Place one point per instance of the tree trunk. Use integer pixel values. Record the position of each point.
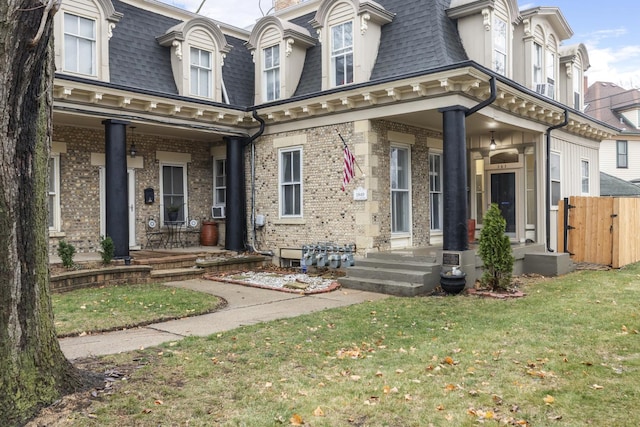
(33, 369)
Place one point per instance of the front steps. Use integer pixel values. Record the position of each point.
(399, 274)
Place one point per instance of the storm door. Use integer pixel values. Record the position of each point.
(503, 193)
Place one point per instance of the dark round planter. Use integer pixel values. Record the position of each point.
(452, 285)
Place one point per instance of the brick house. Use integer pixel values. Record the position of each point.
(447, 106)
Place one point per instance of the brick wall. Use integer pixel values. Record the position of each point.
(329, 214)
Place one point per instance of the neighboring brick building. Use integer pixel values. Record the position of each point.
(395, 78)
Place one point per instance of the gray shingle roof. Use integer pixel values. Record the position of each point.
(136, 59)
(616, 187)
(420, 37)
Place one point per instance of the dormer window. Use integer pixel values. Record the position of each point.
(342, 53)
(499, 45)
(577, 87)
(271, 70)
(200, 72)
(79, 45)
(198, 49)
(537, 64)
(349, 32)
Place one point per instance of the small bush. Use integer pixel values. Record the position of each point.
(66, 251)
(107, 249)
(495, 250)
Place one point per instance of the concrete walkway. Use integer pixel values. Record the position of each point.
(246, 306)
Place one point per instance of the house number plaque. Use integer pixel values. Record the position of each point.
(451, 258)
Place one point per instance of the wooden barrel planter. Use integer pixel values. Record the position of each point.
(209, 233)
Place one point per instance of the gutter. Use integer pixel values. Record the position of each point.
(548, 180)
(486, 102)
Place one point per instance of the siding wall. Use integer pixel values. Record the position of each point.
(608, 163)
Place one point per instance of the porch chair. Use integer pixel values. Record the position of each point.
(154, 233)
(193, 228)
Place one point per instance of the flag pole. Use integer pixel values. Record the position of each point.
(346, 146)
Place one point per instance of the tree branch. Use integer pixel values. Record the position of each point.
(51, 7)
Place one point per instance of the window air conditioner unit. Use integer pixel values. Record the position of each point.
(217, 212)
(546, 89)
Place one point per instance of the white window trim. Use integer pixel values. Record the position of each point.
(496, 51)
(408, 191)
(626, 154)
(439, 154)
(273, 69)
(344, 52)
(587, 177)
(94, 62)
(184, 184)
(558, 180)
(201, 69)
(56, 227)
(216, 202)
(281, 184)
(537, 63)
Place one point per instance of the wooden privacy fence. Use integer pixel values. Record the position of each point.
(600, 230)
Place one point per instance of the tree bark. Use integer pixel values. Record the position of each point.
(33, 369)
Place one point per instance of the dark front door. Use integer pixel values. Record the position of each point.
(503, 193)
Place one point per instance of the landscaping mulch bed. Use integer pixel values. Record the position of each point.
(282, 280)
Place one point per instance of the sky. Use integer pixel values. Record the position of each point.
(610, 33)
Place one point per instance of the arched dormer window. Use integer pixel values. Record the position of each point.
(576, 62)
(85, 32)
(349, 31)
(198, 49)
(495, 19)
(279, 49)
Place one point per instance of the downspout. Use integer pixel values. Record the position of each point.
(548, 180)
(253, 173)
(486, 102)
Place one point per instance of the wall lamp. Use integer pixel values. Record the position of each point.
(132, 150)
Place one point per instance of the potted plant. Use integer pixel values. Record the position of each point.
(172, 212)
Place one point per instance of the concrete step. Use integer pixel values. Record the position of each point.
(413, 265)
(408, 255)
(389, 287)
(399, 274)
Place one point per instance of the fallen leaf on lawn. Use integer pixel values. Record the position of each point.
(624, 328)
(355, 377)
(303, 393)
(597, 387)
(549, 399)
(450, 387)
(267, 385)
(146, 411)
(448, 360)
(296, 420)
(522, 423)
(318, 412)
(379, 374)
(159, 402)
(408, 397)
(399, 371)
(440, 408)
(386, 389)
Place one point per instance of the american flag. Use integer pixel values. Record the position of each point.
(348, 172)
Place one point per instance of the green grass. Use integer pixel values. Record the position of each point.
(116, 307)
(568, 354)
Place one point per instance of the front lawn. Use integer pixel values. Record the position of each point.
(568, 354)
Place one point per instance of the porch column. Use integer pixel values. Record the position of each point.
(236, 221)
(117, 200)
(454, 179)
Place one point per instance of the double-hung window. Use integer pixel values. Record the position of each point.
(220, 182)
(272, 72)
(622, 155)
(577, 88)
(400, 197)
(435, 190)
(551, 74)
(537, 65)
(201, 72)
(54, 193)
(584, 169)
(342, 54)
(291, 182)
(555, 177)
(500, 45)
(174, 192)
(79, 45)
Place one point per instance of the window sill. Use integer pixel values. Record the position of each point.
(57, 234)
(290, 221)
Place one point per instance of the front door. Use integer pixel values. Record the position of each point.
(131, 182)
(503, 193)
